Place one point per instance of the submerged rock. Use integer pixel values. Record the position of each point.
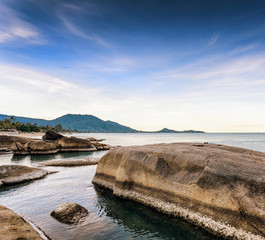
(14, 227)
(71, 162)
(219, 188)
(13, 174)
(69, 213)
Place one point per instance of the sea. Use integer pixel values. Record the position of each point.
(110, 217)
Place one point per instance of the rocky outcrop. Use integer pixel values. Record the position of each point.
(51, 135)
(55, 143)
(14, 227)
(74, 144)
(219, 188)
(35, 147)
(69, 213)
(13, 174)
(6, 141)
(70, 162)
(101, 146)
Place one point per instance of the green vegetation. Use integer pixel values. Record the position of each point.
(10, 124)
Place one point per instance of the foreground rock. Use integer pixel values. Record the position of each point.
(13, 174)
(71, 162)
(219, 188)
(14, 227)
(69, 213)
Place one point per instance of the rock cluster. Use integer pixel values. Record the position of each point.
(69, 213)
(53, 143)
(219, 188)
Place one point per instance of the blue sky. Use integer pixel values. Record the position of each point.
(147, 64)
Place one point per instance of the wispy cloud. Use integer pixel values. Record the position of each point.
(66, 11)
(12, 28)
(213, 39)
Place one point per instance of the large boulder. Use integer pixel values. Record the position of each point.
(14, 227)
(75, 145)
(51, 135)
(13, 174)
(69, 213)
(219, 188)
(35, 147)
(41, 147)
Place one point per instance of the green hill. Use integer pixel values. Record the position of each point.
(81, 123)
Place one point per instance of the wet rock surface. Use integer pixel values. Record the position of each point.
(13, 174)
(14, 227)
(71, 162)
(219, 188)
(69, 213)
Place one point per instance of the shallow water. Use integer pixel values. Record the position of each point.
(111, 217)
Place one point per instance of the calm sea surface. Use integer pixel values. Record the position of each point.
(111, 217)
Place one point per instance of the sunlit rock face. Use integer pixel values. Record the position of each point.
(15, 227)
(219, 188)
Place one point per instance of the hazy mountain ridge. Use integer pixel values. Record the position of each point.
(88, 123)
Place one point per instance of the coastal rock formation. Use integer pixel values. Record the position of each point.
(6, 141)
(75, 145)
(54, 143)
(69, 213)
(70, 162)
(101, 146)
(39, 147)
(51, 135)
(219, 188)
(14, 227)
(13, 174)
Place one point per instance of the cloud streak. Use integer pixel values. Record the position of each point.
(65, 11)
(13, 28)
(213, 39)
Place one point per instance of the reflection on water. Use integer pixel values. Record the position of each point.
(111, 217)
(139, 220)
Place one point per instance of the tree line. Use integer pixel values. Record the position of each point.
(12, 124)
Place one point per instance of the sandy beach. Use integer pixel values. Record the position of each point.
(24, 134)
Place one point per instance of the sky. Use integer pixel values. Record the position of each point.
(147, 64)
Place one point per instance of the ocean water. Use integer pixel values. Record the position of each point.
(110, 217)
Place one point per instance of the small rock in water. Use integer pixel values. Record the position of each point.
(69, 213)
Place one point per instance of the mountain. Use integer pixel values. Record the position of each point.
(81, 123)
(166, 130)
(88, 123)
